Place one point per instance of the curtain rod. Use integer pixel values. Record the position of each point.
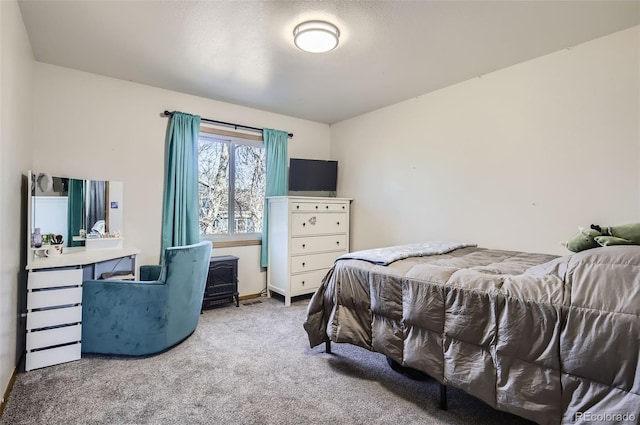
(228, 124)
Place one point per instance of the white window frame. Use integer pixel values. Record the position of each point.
(233, 139)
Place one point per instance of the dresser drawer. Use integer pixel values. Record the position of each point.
(334, 207)
(52, 337)
(319, 206)
(317, 224)
(304, 263)
(54, 278)
(313, 244)
(43, 358)
(305, 283)
(54, 298)
(54, 317)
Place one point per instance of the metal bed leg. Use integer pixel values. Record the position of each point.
(443, 397)
(327, 347)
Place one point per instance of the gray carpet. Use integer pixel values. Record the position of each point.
(246, 365)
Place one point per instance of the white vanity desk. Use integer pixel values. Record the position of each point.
(80, 256)
(54, 300)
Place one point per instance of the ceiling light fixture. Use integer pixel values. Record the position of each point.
(316, 36)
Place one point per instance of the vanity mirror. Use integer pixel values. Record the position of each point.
(77, 209)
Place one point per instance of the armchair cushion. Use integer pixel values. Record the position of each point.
(146, 317)
(151, 272)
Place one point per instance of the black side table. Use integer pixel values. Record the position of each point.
(222, 282)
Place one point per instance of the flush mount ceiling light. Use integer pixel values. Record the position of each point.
(316, 36)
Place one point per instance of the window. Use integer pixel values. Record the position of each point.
(231, 176)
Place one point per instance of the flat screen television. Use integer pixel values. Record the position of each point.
(313, 175)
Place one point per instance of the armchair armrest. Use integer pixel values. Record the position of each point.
(117, 283)
(116, 294)
(150, 272)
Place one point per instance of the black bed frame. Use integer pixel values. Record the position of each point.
(443, 388)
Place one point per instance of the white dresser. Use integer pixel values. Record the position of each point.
(305, 236)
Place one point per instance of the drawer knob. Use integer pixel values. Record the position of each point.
(316, 207)
(304, 224)
(338, 223)
(297, 207)
(343, 207)
(303, 264)
(337, 242)
(304, 245)
(327, 206)
(303, 283)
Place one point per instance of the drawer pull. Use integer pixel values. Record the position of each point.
(337, 242)
(303, 264)
(343, 207)
(316, 207)
(303, 283)
(304, 224)
(338, 223)
(297, 207)
(327, 206)
(304, 245)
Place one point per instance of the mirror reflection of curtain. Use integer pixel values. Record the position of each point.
(97, 205)
(75, 215)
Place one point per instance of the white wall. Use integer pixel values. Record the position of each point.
(89, 126)
(16, 63)
(515, 159)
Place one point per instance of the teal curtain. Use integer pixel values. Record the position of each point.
(180, 206)
(75, 214)
(275, 146)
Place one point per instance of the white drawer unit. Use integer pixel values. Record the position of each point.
(305, 236)
(54, 317)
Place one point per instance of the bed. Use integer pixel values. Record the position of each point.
(551, 339)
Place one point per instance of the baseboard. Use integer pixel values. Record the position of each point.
(250, 296)
(5, 397)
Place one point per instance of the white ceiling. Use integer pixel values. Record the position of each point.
(242, 52)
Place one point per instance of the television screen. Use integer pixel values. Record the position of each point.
(313, 175)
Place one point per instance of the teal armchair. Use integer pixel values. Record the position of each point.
(150, 315)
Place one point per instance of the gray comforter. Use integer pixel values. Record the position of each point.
(551, 339)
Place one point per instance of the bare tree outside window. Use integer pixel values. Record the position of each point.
(230, 206)
(250, 184)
